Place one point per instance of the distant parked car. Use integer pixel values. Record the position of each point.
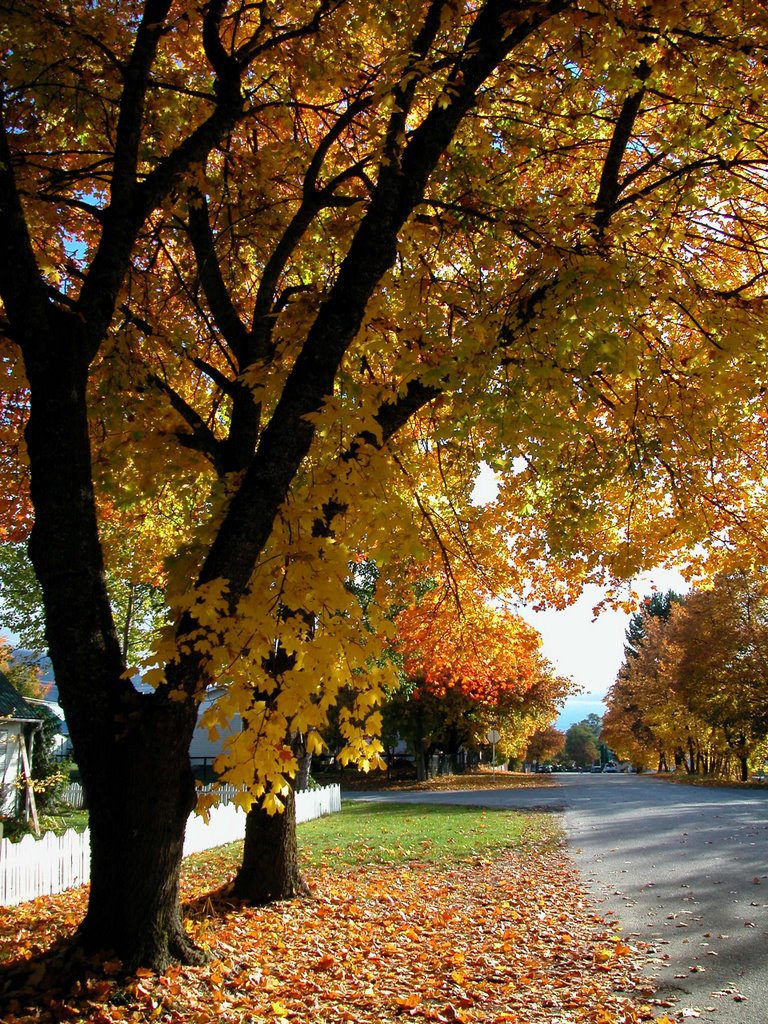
(610, 767)
(597, 768)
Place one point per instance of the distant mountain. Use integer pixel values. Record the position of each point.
(47, 677)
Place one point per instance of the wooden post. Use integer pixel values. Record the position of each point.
(28, 780)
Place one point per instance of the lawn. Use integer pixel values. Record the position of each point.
(14, 829)
(369, 833)
(384, 833)
(432, 913)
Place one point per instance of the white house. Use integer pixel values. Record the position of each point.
(203, 750)
(19, 725)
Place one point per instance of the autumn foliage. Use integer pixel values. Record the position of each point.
(484, 652)
(493, 939)
(691, 692)
(277, 278)
(469, 665)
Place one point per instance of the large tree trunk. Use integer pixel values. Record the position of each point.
(131, 748)
(138, 815)
(270, 867)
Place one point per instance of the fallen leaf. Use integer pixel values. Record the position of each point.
(409, 1002)
(495, 929)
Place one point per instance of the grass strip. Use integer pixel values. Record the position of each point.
(367, 833)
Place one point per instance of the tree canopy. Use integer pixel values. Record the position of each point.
(655, 604)
(545, 744)
(581, 743)
(22, 673)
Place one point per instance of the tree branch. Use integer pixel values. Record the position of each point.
(391, 416)
(500, 26)
(252, 49)
(610, 187)
(132, 202)
(217, 295)
(23, 290)
(201, 438)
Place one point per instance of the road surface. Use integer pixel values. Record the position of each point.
(683, 869)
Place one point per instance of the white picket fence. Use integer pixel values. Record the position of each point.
(227, 822)
(73, 796)
(42, 867)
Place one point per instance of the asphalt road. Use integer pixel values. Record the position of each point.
(682, 869)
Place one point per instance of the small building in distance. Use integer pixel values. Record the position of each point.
(20, 724)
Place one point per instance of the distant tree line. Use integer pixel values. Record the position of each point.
(691, 692)
(578, 747)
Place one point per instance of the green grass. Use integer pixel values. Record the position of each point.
(369, 834)
(14, 829)
(392, 833)
(69, 818)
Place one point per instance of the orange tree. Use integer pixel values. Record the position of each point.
(296, 269)
(469, 666)
(545, 744)
(695, 686)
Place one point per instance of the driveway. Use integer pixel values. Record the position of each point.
(682, 870)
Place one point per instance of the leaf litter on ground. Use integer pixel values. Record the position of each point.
(499, 936)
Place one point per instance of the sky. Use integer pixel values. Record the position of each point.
(583, 647)
(590, 650)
